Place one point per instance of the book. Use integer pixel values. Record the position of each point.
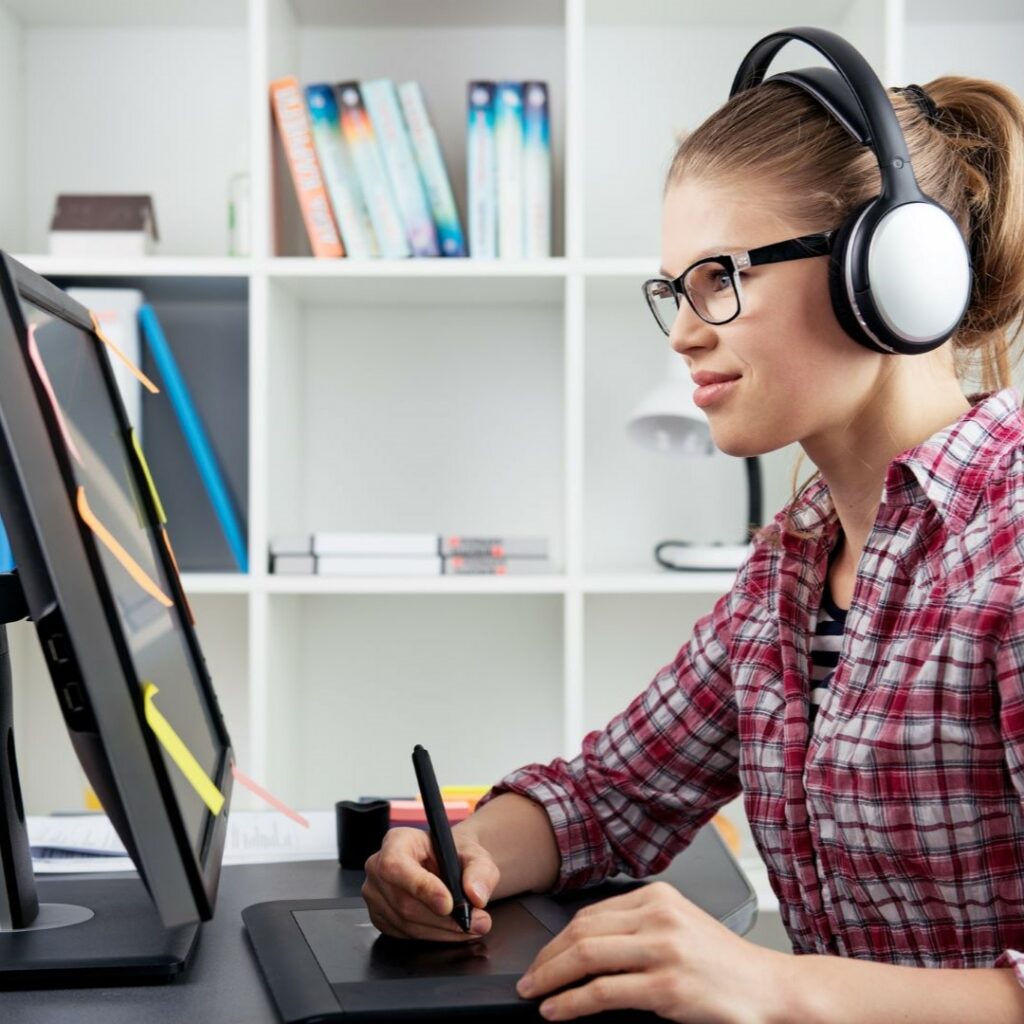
(382, 105)
(495, 547)
(412, 813)
(536, 171)
(293, 129)
(292, 544)
(462, 565)
(195, 435)
(6, 554)
(408, 544)
(293, 565)
(508, 136)
(385, 565)
(117, 310)
(432, 170)
(357, 234)
(481, 172)
(103, 225)
(357, 130)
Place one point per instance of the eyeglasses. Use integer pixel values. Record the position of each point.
(712, 285)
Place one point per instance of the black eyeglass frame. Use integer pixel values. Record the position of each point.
(735, 263)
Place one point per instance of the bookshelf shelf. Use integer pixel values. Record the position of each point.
(423, 395)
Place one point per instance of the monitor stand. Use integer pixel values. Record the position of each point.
(101, 930)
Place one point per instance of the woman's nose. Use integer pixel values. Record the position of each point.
(689, 332)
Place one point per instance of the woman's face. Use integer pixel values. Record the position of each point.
(802, 377)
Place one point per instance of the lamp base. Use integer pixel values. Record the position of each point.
(717, 557)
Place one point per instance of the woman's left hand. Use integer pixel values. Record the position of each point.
(652, 949)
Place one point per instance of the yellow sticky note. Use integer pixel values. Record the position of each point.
(179, 753)
(149, 477)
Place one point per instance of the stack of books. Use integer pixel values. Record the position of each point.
(371, 180)
(407, 554)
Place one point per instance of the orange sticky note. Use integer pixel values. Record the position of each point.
(136, 372)
(44, 377)
(111, 543)
(279, 805)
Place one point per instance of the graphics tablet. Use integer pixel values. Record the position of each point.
(323, 960)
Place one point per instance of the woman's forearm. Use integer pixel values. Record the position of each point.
(833, 990)
(517, 833)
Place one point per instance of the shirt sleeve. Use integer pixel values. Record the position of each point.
(640, 788)
(1009, 677)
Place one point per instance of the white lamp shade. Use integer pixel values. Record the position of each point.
(668, 420)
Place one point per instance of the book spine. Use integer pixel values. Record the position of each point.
(195, 435)
(495, 547)
(389, 126)
(508, 130)
(293, 128)
(460, 565)
(293, 565)
(363, 565)
(432, 170)
(358, 132)
(481, 169)
(6, 554)
(536, 171)
(376, 544)
(353, 218)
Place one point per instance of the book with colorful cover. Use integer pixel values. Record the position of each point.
(462, 565)
(536, 171)
(195, 434)
(357, 234)
(432, 169)
(508, 133)
(358, 132)
(396, 148)
(494, 547)
(481, 170)
(289, 109)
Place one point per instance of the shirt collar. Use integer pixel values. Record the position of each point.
(950, 468)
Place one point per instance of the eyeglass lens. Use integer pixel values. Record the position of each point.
(710, 289)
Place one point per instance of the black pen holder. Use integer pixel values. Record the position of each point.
(362, 825)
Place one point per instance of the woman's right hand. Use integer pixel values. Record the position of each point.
(407, 898)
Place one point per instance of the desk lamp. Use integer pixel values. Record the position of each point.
(668, 420)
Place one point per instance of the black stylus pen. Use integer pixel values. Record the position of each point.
(441, 836)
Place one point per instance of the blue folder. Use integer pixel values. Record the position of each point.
(195, 435)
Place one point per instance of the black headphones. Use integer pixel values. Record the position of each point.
(900, 273)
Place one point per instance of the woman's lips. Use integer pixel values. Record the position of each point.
(708, 394)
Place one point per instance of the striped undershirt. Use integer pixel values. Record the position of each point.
(825, 647)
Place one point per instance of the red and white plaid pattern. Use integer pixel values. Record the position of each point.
(896, 832)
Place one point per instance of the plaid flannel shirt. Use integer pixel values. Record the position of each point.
(896, 831)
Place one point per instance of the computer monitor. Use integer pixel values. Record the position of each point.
(101, 586)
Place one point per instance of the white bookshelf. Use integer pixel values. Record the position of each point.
(461, 395)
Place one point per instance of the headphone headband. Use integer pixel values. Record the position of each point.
(885, 136)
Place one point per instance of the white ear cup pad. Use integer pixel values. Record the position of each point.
(919, 272)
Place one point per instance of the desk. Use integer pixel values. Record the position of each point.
(223, 984)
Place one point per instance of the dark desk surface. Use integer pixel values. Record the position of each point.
(223, 985)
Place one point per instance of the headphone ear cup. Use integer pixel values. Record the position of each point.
(837, 281)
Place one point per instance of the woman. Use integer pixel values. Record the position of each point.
(886, 798)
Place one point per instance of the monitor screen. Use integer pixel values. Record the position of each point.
(100, 581)
(101, 462)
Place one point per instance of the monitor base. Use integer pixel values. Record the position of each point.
(122, 942)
